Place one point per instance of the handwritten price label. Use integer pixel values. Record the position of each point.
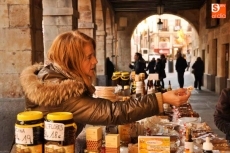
(54, 131)
(24, 135)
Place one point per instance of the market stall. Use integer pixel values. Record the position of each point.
(174, 130)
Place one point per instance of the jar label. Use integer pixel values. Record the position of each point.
(23, 148)
(54, 131)
(24, 135)
(50, 148)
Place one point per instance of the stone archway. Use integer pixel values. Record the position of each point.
(176, 33)
(124, 33)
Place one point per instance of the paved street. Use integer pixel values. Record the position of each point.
(203, 102)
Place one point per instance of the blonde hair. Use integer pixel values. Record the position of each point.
(67, 50)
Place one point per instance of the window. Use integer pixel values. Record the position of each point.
(189, 28)
(165, 25)
(177, 25)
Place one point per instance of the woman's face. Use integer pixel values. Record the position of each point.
(89, 61)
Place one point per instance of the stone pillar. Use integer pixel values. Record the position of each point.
(100, 54)
(58, 16)
(36, 32)
(209, 77)
(109, 46)
(87, 28)
(124, 50)
(85, 20)
(220, 78)
(16, 51)
(209, 81)
(15, 45)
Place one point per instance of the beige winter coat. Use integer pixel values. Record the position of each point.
(49, 90)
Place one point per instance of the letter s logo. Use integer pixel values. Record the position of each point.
(215, 7)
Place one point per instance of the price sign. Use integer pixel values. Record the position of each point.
(24, 135)
(54, 131)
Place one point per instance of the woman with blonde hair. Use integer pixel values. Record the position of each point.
(65, 84)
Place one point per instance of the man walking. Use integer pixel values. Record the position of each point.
(188, 59)
(180, 68)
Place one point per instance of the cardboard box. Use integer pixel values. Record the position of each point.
(112, 141)
(94, 133)
(93, 138)
(154, 144)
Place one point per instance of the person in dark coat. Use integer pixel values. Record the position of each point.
(151, 66)
(162, 70)
(198, 70)
(139, 64)
(222, 113)
(109, 70)
(158, 67)
(181, 65)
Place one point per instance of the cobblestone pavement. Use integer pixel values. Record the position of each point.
(202, 101)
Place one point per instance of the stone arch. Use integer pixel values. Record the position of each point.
(86, 19)
(151, 22)
(191, 17)
(125, 33)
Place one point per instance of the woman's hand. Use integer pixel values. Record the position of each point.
(176, 97)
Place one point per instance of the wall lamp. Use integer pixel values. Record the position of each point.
(159, 24)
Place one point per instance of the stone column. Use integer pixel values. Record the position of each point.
(209, 77)
(85, 20)
(220, 78)
(15, 45)
(109, 46)
(58, 16)
(100, 54)
(87, 28)
(16, 51)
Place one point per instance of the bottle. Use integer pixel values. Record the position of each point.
(207, 146)
(169, 86)
(133, 88)
(133, 133)
(157, 86)
(150, 87)
(188, 144)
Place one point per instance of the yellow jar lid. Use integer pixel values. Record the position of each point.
(124, 73)
(59, 116)
(116, 73)
(29, 115)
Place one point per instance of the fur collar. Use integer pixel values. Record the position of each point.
(48, 92)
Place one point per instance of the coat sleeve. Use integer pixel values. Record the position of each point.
(98, 111)
(222, 112)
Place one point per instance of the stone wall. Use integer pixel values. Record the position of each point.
(214, 45)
